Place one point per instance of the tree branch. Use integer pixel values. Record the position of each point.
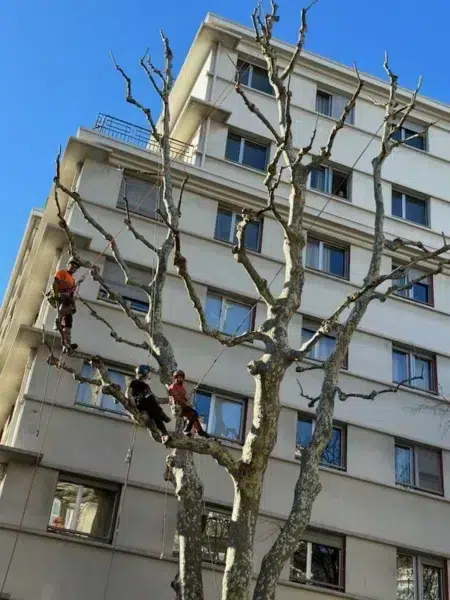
(240, 254)
(300, 43)
(209, 447)
(256, 111)
(113, 333)
(132, 100)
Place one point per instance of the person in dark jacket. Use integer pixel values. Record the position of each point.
(140, 393)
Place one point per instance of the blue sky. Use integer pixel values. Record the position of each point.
(57, 74)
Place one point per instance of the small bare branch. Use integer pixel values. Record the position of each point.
(150, 69)
(241, 256)
(113, 333)
(132, 100)
(256, 111)
(343, 396)
(307, 149)
(300, 369)
(325, 151)
(300, 43)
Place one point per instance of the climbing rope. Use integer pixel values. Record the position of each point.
(122, 498)
(34, 475)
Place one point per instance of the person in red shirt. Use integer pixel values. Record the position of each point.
(178, 396)
(63, 299)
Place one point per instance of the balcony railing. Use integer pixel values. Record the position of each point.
(141, 137)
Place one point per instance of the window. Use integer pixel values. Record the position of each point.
(84, 509)
(409, 129)
(419, 578)
(332, 105)
(216, 524)
(143, 196)
(136, 298)
(246, 152)
(319, 561)
(228, 316)
(418, 467)
(226, 223)
(89, 395)
(327, 257)
(421, 291)
(254, 77)
(223, 417)
(334, 455)
(331, 181)
(410, 208)
(415, 369)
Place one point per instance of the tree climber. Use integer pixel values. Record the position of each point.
(139, 392)
(62, 298)
(178, 396)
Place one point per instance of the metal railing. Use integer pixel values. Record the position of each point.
(141, 137)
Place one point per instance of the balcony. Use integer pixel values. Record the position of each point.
(141, 137)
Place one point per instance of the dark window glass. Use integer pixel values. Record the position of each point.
(255, 155)
(233, 147)
(416, 210)
(397, 204)
(223, 225)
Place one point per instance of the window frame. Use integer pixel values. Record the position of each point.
(408, 294)
(406, 194)
(413, 449)
(321, 538)
(126, 373)
(412, 354)
(329, 175)
(249, 69)
(214, 394)
(336, 425)
(243, 139)
(334, 245)
(86, 482)
(331, 94)
(419, 561)
(234, 215)
(223, 313)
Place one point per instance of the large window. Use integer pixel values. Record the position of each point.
(409, 129)
(414, 368)
(421, 291)
(319, 561)
(420, 578)
(136, 298)
(90, 395)
(418, 467)
(334, 455)
(327, 257)
(143, 196)
(246, 152)
(331, 181)
(226, 223)
(410, 208)
(332, 105)
(84, 509)
(216, 525)
(223, 417)
(253, 76)
(227, 315)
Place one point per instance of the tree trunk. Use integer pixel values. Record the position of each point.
(188, 583)
(249, 484)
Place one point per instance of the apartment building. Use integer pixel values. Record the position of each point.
(380, 528)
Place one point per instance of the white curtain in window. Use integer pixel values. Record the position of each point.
(312, 254)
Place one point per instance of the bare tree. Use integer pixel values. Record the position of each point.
(247, 472)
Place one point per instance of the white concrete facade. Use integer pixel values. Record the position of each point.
(361, 502)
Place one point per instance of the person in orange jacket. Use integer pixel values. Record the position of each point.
(178, 396)
(63, 299)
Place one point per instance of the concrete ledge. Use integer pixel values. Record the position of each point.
(17, 455)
